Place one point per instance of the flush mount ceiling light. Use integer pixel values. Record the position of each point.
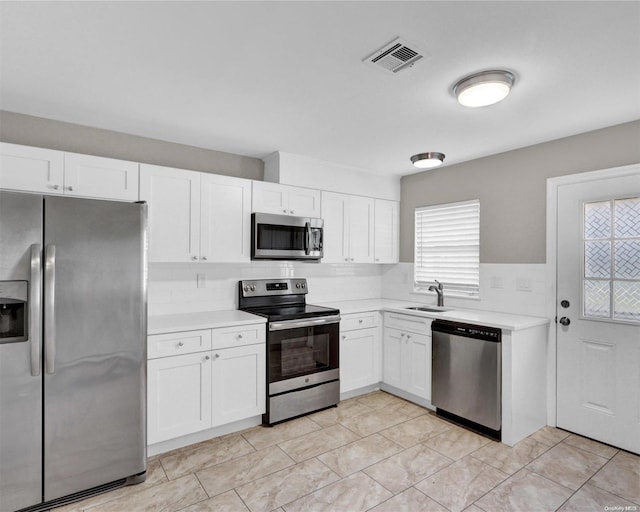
(427, 160)
(484, 88)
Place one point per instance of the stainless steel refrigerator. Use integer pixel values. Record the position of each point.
(72, 347)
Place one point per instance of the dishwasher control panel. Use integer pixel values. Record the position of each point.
(468, 330)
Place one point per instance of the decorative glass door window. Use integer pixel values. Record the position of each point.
(611, 264)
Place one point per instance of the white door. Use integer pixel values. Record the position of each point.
(238, 383)
(178, 396)
(361, 229)
(417, 361)
(105, 178)
(270, 198)
(358, 359)
(392, 357)
(598, 310)
(31, 169)
(226, 219)
(386, 231)
(304, 202)
(335, 212)
(174, 212)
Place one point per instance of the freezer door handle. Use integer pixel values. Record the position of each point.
(50, 308)
(35, 289)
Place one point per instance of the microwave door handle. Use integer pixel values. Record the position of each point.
(307, 240)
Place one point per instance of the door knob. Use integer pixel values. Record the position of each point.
(564, 321)
(565, 303)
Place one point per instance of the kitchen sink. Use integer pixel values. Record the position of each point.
(430, 309)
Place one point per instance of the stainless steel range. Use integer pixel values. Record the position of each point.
(303, 371)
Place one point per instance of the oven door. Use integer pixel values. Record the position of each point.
(283, 237)
(302, 353)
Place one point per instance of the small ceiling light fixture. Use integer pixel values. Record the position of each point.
(427, 160)
(484, 88)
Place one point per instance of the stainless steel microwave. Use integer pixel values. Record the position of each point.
(284, 237)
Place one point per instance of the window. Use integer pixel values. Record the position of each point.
(611, 263)
(447, 239)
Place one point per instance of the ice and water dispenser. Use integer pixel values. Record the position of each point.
(13, 311)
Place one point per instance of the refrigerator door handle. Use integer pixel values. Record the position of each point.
(35, 300)
(50, 307)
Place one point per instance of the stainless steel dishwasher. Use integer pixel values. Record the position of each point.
(466, 375)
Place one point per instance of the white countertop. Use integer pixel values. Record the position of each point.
(204, 320)
(505, 321)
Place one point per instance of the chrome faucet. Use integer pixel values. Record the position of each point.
(439, 290)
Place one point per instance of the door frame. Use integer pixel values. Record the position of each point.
(551, 270)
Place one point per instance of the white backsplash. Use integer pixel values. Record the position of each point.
(507, 288)
(173, 287)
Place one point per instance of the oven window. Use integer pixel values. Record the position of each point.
(296, 352)
(281, 238)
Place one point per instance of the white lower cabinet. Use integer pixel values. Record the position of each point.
(178, 396)
(407, 354)
(221, 381)
(359, 350)
(239, 377)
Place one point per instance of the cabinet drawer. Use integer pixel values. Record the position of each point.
(410, 323)
(359, 321)
(163, 345)
(237, 336)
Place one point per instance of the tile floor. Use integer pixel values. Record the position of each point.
(378, 452)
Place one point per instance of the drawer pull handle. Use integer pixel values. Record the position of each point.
(180, 344)
(239, 336)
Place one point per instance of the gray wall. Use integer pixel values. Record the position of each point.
(512, 189)
(47, 133)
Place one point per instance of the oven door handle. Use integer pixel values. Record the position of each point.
(306, 322)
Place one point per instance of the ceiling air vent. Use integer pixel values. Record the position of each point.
(395, 56)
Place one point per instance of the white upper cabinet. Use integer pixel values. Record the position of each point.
(225, 230)
(55, 172)
(195, 216)
(348, 228)
(173, 196)
(93, 176)
(386, 237)
(31, 169)
(285, 200)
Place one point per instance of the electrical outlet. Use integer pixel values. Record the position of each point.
(202, 281)
(523, 284)
(496, 282)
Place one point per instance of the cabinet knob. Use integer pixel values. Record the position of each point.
(204, 258)
(351, 259)
(344, 337)
(54, 187)
(194, 258)
(70, 188)
(402, 334)
(217, 356)
(291, 212)
(206, 358)
(284, 211)
(180, 344)
(239, 336)
(346, 259)
(408, 336)
(377, 259)
(360, 320)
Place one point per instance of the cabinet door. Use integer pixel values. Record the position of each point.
(386, 227)
(304, 202)
(31, 169)
(417, 365)
(392, 357)
(361, 231)
(336, 233)
(174, 212)
(105, 178)
(178, 396)
(270, 198)
(225, 231)
(359, 359)
(239, 383)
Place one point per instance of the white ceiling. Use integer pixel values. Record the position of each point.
(255, 77)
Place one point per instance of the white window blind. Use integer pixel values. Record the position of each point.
(447, 248)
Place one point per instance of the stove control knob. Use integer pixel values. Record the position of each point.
(253, 287)
(303, 285)
(297, 285)
(246, 288)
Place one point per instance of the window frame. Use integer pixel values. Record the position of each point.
(457, 285)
